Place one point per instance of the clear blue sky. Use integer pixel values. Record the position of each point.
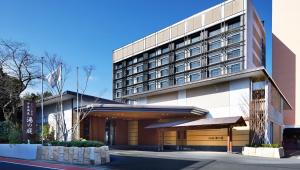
(85, 32)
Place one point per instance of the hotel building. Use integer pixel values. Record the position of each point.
(200, 84)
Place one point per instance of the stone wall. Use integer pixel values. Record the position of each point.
(75, 155)
(264, 152)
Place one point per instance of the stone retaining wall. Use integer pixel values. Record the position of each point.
(76, 155)
(264, 152)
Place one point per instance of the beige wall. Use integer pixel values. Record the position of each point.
(286, 37)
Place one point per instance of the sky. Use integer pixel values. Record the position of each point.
(85, 32)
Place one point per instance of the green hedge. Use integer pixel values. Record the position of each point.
(274, 145)
(76, 143)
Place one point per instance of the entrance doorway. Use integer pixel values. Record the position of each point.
(110, 132)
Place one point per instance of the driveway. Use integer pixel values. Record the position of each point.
(144, 160)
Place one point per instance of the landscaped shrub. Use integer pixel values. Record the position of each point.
(265, 145)
(14, 136)
(4, 131)
(76, 143)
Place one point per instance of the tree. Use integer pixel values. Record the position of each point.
(18, 71)
(36, 96)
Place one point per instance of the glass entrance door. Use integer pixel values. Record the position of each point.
(110, 132)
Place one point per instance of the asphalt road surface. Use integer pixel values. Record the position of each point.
(16, 166)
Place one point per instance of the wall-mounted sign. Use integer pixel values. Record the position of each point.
(28, 119)
(215, 137)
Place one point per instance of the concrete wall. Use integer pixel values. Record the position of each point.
(22, 151)
(285, 53)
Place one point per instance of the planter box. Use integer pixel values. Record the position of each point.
(21, 151)
(263, 152)
(76, 155)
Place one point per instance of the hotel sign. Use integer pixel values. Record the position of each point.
(28, 119)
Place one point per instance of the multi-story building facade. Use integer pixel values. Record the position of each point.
(193, 84)
(286, 62)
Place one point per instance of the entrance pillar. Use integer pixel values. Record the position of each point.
(229, 139)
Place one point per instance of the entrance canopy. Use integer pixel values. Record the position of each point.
(223, 122)
(126, 111)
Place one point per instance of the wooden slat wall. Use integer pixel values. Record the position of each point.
(216, 137)
(169, 137)
(132, 132)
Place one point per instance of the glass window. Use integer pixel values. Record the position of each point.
(164, 72)
(179, 68)
(152, 75)
(194, 64)
(139, 79)
(118, 74)
(195, 39)
(233, 39)
(140, 58)
(129, 81)
(214, 45)
(179, 45)
(214, 32)
(129, 62)
(129, 91)
(152, 64)
(139, 68)
(139, 89)
(179, 55)
(151, 86)
(118, 94)
(214, 58)
(164, 60)
(194, 76)
(233, 25)
(151, 55)
(165, 50)
(135, 60)
(195, 51)
(129, 71)
(118, 84)
(233, 53)
(164, 84)
(215, 72)
(180, 80)
(234, 68)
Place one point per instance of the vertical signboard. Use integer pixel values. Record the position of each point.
(28, 119)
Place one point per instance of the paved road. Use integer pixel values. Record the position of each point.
(13, 166)
(144, 160)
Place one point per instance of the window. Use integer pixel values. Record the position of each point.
(233, 39)
(151, 55)
(164, 60)
(140, 68)
(215, 72)
(118, 66)
(194, 64)
(118, 74)
(152, 75)
(179, 45)
(234, 68)
(194, 51)
(179, 55)
(214, 58)
(129, 81)
(151, 86)
(164, 83)
(135, 60)
(152, 64)
(139, 78)
(118, 94)
(129, 71)
(139, 89)
(194, 77)
(179, 68)
(165, 50)
(140, 59)
(195, 39)
(129, 62)
(118, 84)
(233, 25)
(179, 80)
(233, 53)
(214, 32)
(164, 72)
(129, 91)
(214, 45)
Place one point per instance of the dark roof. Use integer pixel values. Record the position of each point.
(144, 108)
(67, 95)
(208, 122)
